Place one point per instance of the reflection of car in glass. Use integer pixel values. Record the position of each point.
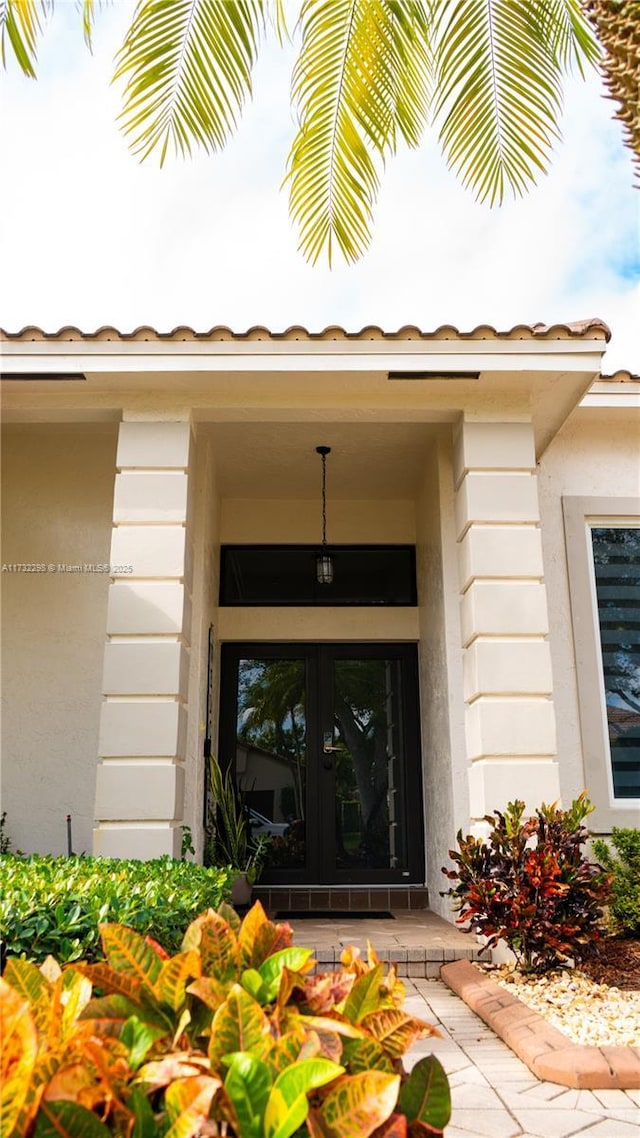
(261, 825)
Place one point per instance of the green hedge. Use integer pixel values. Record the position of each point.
(624, 864)
(53, 905)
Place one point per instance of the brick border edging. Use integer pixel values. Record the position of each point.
(546, 1051)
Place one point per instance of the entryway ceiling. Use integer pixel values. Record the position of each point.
(278, 460)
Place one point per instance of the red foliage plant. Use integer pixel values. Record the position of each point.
(530, 885)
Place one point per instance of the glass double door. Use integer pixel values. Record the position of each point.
(323, 741)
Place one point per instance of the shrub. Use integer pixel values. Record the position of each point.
(53, 905)
(625, 870)
(530, 885)
(235, 1035)
(5, 840)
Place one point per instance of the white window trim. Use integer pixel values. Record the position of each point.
(581, 514)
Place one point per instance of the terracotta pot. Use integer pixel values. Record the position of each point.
(241, 890)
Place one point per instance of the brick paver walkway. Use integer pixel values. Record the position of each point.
(494, 1094)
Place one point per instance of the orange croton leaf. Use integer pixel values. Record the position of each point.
(324, 990)
(396, 1031)
(239, 1025)
(188, 1102)
(33, 987)
(177, 971)
(214, 938)
(17, 1055)
(131, 954)
(355, 1106)
(110, 980)
(248, 935)
(270, 938)
(179, 1065)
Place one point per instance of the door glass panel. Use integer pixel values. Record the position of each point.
(271, 755)
(370, 831)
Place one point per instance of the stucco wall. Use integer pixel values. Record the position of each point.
(56, 509)
(446, 797)
(205, 504)
(587, 458)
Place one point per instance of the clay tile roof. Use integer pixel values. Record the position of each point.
(594, 327)
(621, 376)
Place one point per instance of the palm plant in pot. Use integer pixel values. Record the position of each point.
(232, 843)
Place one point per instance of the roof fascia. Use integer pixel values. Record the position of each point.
(438, 357)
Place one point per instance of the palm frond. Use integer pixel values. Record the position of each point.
(499, 92)
(564, 27)
(187, 66)
(21, 23)
(360, 80)
(279, 20)
(88, 8)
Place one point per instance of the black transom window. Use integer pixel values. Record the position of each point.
(276, 575)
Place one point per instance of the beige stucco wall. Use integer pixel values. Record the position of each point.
(445, 786)
(595, 454)
(205, 504)
(57, 485)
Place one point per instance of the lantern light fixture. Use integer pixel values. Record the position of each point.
(324, 560)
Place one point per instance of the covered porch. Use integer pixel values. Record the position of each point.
(209, 442)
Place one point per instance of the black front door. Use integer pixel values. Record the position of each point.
(324, 744)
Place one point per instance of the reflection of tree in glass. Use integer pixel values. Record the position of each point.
(271, 715)
(361, 716)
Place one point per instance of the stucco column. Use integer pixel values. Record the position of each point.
(140, 778)
(509, 713)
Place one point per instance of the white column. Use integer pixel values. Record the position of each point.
(140, 778)
(509, 717)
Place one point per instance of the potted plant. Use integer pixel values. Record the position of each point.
(233, 844)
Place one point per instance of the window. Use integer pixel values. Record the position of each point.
(603, 550)
(286, 575)
(616, 558)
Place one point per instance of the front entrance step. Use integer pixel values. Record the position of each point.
(333, 898)
(418, 943)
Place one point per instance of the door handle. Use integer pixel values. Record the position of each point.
(327, 743)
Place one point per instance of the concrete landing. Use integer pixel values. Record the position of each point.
(417, 942)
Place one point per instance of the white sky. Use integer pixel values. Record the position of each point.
(91, 237)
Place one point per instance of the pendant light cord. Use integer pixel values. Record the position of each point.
(324, 499)
(323, 452)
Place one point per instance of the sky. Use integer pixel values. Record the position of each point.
(92, 237)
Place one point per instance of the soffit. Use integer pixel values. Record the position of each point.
(278, 460)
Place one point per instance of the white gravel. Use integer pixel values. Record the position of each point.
(585, 1011)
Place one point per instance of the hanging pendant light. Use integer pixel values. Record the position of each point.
(324, 561)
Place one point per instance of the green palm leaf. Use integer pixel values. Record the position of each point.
(21, 23)
(498, 77)
(361, 80)
(563, 26)
(187, 66)
(88, 10)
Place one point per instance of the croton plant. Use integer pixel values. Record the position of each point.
(236, 1035)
